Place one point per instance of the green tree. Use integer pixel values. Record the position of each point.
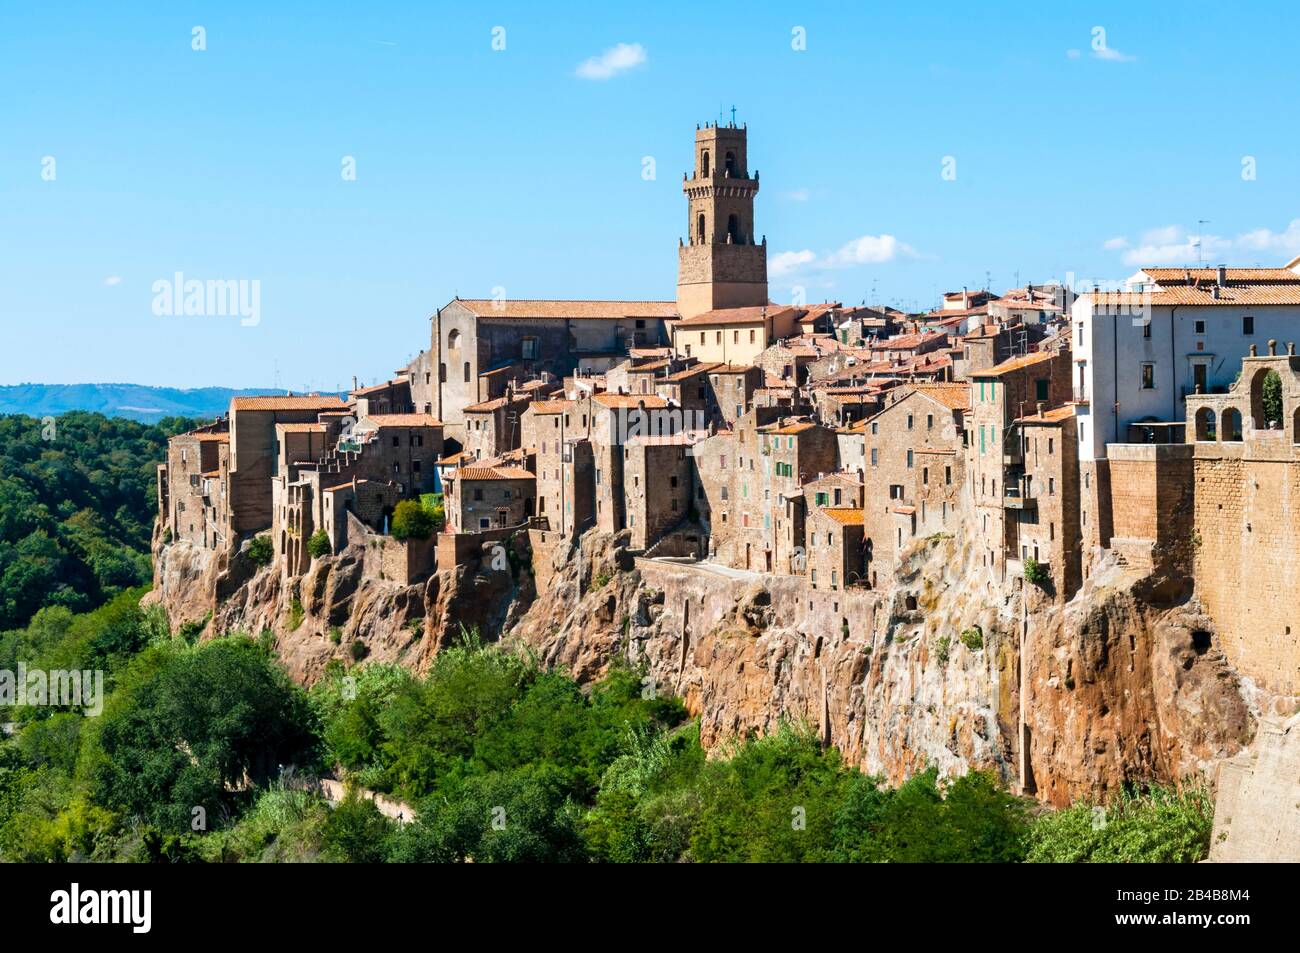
(189, 727)
(1272, 394)
(318, 544)
(412, 521)
(261, 550)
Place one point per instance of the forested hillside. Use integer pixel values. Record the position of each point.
(77, 503)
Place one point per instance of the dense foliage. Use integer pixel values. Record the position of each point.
(412, 520)
(500, 759)
(77, 504)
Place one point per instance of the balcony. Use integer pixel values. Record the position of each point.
(1080, 395)
(1019, 495)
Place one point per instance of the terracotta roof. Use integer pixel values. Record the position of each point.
(351, 484)
(1015, 364)
(495, 403)
(736, 315)
(906, 342)
(211, 473)
(692, 371)
(551, 406)
(954, 395)
(903, 510)
(373, 388)
(526, 308)
(1203, 296)
(301, 428)
(285, 403)
(456, 458)
(1054, 416)
(494, 473)
(404, 420)
(789, 429)
(223, 437)
(631, 401)
(846, 516)
(1167, 276)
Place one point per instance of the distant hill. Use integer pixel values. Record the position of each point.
(132, 401)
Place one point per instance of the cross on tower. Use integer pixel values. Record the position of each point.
(733, 115)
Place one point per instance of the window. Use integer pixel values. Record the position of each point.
(909, 459)
(1248, 325)
(1079, 334)
(925, 475)
(751, 336)
(875, 428)
(929, 421)
(397, 441)
(947, 475)
(909, 421)
(484, 522)
(1200, 327)
(1040, 389)
(1148, 376)
(529, 348)
(875, 457)
(478, 494)
(467, 372)
(1146, 329)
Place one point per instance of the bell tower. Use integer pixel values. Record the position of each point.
(720, 265)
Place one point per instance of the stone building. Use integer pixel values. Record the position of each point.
(994, 466)
(192, 485)
(254, 454)
(1041, 502)
(659, 485)
(836, 548)
(484, 498)
(913, 475)
(492, 427)
(734, 335)
(472, 337)
(720, 265)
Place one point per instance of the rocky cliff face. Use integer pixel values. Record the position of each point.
(334, 611)
(1123, 683)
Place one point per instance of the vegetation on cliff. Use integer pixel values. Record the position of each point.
(501, 759)
(77, 504)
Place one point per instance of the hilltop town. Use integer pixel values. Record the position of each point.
(1047, 530)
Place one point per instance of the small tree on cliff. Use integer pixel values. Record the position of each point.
(412, 521)
(319, 544)
(260, 551)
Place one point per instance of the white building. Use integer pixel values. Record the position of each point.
(1138, 353)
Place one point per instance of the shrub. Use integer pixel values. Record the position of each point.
(1035, 571)
(319, 544)
(296, 614)
(433, 502)
(973, 638)
(358, 650)
(336, 635)
(260, 550)
(941, 650)
(412, 521)
(600, 580)
(1157, 826)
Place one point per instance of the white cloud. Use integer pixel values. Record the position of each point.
(787, 261)
(797, 195)
(1116, 243)
(870, 250)
(615, 60)
(866, 250)
(1112, 55)
(1174, 245)
(113, 280)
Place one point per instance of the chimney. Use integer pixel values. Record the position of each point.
(1223, 276)
(1041, 406)
(965, 297)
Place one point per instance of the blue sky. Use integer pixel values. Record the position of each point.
(522, 168)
